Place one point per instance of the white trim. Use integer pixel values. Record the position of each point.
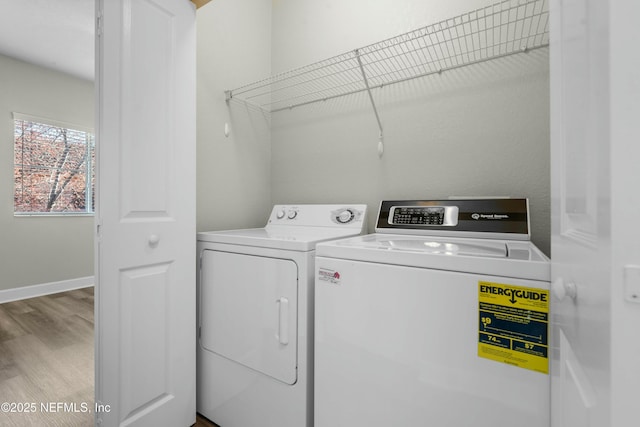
(52, 122)
(32, 291)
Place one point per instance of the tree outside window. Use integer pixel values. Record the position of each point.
(53, 168)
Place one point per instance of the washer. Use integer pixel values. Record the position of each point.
(439, 318)
(255, 293)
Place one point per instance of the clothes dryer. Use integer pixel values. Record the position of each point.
(440, 318)
(255, 296)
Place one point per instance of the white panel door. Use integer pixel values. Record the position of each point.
(249, 307)
(581, 212)
(145, 277)
(625, 152)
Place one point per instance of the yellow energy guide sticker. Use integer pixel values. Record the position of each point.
(513, 325)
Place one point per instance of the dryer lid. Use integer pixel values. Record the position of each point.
(302, 239)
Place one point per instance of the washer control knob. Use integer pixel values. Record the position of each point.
(292, 214)
(345, 216)
(280, 214)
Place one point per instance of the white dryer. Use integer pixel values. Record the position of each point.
(438, 319)
(255, 311)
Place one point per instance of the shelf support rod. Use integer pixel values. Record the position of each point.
(373, 104)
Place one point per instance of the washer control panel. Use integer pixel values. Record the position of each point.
(318, 215)
(424, 215)
(490, 217)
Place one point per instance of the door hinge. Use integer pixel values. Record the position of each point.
(632, 283)
(98, 230)
(99, 19)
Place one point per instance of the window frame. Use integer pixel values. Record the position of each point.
(89, 171)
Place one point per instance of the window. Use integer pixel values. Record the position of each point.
(53, 167)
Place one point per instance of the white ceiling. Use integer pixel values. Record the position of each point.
(57, 34)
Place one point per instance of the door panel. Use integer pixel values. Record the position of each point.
(145, 280)
(145, 333)
(145, 191)
(249, 311)
(581, 212)
(577, 396)
(581, 135)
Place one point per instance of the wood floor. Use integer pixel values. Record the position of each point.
(203, 422)
(46, 357)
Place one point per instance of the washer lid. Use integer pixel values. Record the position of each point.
(443, 247)
(509, 258)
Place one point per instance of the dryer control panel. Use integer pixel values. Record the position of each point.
(318, 215)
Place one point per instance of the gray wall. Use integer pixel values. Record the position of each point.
(36, 250)
(233, 174)
(481, 130)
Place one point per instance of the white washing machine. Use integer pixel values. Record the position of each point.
(438, 319)
(255, 294)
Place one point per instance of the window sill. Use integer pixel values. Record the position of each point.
(52, 214)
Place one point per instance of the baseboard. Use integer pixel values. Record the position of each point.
(24, 292)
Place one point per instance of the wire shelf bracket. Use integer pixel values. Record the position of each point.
(373, 104)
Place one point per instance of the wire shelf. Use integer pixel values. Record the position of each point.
(504, 28)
